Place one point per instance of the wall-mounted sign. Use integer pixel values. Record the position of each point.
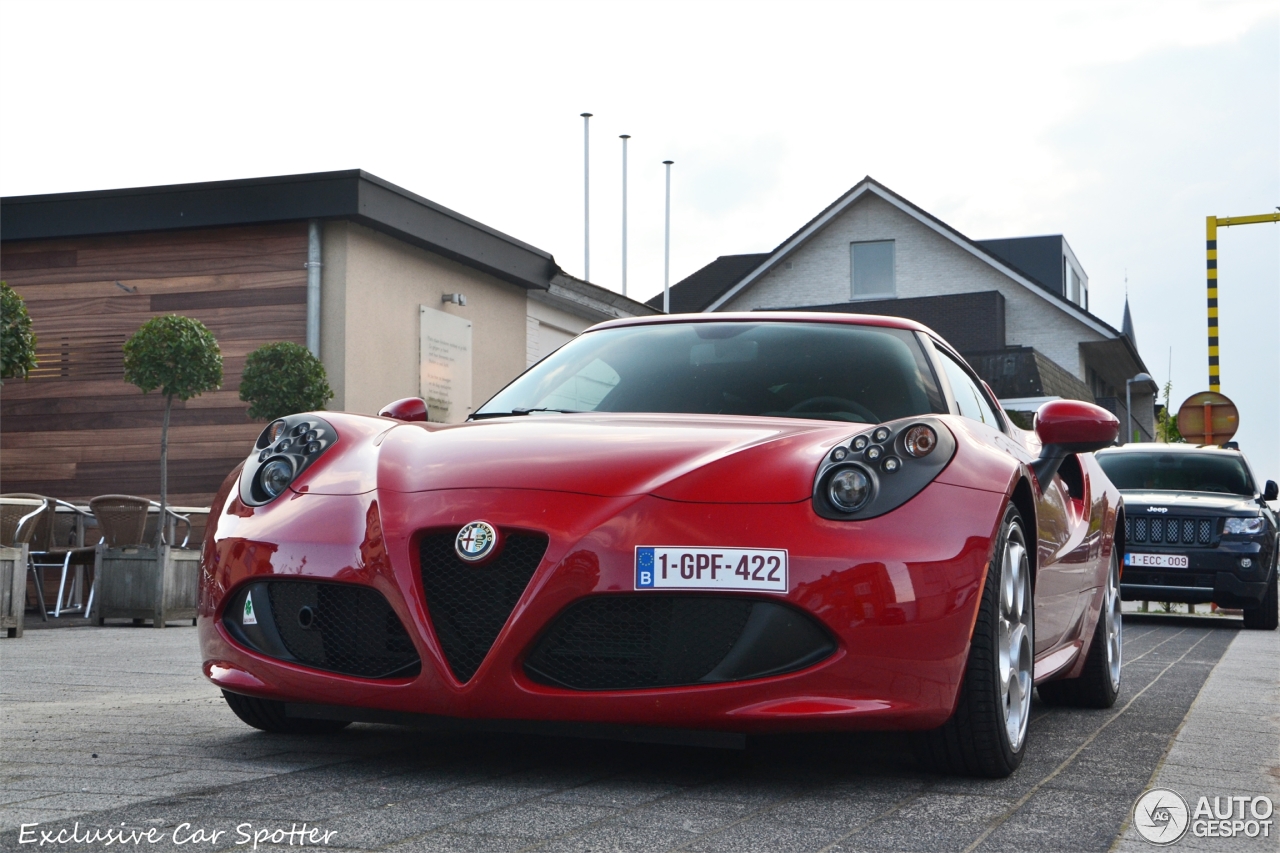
(444, 365)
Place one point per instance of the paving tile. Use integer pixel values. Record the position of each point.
(535, 820)
(687, 815)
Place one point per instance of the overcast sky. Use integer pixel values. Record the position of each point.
(1120, 125)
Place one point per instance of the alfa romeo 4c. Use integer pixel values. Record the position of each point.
(732, 523)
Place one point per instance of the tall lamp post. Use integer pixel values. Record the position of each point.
(666, 252)
(586, 196)
(1128, 403)
(624, 137)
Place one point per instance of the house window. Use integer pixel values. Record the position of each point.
(1075, 286)
(872, 265)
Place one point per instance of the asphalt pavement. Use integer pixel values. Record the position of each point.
(110, 730)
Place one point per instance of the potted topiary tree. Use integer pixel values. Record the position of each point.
(179, 357)
(17, 341)
(281, 379)
(17, 359)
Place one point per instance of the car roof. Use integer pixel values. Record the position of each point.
(773, 317)
(1159, 447)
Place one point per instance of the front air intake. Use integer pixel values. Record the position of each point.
(337, 627)
(647, 640)
(468, 603)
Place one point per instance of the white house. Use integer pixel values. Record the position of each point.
(1017, 309)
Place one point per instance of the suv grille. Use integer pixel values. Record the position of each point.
(629, 642)
(469, 604)
(341, 628)
(1173, 530)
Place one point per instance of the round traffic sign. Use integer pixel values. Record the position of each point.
(1208, 418)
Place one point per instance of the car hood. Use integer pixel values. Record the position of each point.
(1211, 501)
(697, 458)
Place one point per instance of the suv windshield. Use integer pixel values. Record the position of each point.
(1178, 472)
(828, 371)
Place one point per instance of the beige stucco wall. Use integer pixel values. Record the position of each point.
(926, 264)
(372, 286)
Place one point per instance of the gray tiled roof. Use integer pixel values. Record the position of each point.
(705, 286)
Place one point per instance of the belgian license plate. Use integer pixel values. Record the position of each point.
(758, 569)
(1157, 561)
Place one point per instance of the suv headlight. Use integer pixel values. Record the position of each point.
(881, 468)
(1246, 526)
(286, 448)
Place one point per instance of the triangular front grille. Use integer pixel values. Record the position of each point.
(469, 604)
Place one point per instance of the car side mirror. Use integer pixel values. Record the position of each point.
(1066, 427)
(1271, 492)
(408, 409)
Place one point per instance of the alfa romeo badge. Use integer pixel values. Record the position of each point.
(476, 541)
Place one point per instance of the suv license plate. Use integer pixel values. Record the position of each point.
(663, 567)
(1157, 561)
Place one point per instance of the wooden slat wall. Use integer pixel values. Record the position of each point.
(76, 429)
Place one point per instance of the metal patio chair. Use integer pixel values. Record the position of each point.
(21, 517)
(53, 547)
(174, 516)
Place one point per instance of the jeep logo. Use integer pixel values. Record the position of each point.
(1157, 509)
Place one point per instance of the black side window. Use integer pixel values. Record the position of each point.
(969, 396)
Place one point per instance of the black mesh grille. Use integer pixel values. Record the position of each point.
(469, 604)
(1156, 530)
(628, 642)
(341, 628)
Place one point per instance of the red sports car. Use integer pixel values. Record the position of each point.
(715, 524)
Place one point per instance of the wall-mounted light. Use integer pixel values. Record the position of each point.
(455, 298)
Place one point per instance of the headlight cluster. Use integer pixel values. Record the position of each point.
(881, 469)
(286, 448)
(1245, 526)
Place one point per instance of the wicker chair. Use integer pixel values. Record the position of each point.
(123, 519)
(22, 516)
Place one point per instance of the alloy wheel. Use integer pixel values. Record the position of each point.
(1015, 640)
(1113, 624)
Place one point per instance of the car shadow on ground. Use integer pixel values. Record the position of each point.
(1226, 623)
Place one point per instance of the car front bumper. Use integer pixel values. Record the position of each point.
(899, 594)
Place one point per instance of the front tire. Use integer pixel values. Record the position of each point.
(1098, 684)
(1265, 616)
(269, 715)
(987, 734)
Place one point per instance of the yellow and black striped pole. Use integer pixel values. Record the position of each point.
(1211, 225)
(1211, 273)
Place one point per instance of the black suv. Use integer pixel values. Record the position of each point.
(1196, 528)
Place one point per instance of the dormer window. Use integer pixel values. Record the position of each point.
(1075, 286)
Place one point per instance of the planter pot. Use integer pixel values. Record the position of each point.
(13, 589)
(140, 583)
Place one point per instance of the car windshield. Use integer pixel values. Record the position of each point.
(827, 371)
(1177, 472)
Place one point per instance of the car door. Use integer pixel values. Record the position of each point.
(1057, 586)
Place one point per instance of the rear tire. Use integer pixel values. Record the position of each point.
(1098, 684)
(987, 734)
(268, 715)
(1265, 616)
